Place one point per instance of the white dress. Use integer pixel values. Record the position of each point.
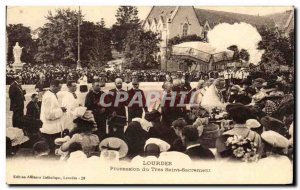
(211, 99)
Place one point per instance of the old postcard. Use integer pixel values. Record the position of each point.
(150, 95)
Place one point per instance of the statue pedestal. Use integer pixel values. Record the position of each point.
(17, 67)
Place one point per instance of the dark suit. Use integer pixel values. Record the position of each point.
(172, 112)
(33, 110)
(17, 98)
(120, 107)
(100, 113)
(199, 153)
(117, 108)
(136, 109)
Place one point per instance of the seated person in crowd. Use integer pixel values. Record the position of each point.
(239, 114)
(190, 138)
(41, 149)
(84, 135)
(275, 151)
(76, 153)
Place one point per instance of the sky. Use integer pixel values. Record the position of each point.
(34, 16)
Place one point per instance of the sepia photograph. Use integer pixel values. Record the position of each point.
(150, 95)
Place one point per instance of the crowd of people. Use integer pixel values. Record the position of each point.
(32, 73)
(245, 119)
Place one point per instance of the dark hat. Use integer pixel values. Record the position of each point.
(84, 124)
(286, 107)
(179, 123)
(270, 84)
(117, 121)
(250, 90)
(239, 112)
(273, 124)
(246, 81)
(153, 115)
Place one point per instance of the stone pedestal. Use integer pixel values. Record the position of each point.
(17, 67)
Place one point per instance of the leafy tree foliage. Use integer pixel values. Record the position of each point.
(279, 49)
(140, 49)
(58, 40)
(127, 19)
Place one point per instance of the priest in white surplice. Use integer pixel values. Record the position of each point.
(51, 115)
(212, 97)
(70, 102)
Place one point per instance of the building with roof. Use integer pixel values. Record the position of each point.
(171, 21)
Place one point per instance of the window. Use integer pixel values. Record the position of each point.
(185, 29)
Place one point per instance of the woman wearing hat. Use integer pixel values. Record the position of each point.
(275, 150)
(239, 114)
(18, 143)
(159, 130)
(84, 136)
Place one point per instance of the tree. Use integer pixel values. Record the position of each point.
(100, 52)
(57, 41)
(21, 34)
(127, 15)
(140, 49)
(279, 49)
(127, 19)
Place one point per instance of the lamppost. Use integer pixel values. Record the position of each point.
(78, 60)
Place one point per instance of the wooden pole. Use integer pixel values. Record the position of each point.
(78, 59)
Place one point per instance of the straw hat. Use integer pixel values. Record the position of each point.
(16, 136)
(275, 139)
(252, 124)
(116, 144)
(163, 145)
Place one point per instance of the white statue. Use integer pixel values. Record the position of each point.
(17, 53)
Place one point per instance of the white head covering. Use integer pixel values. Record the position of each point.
(163, 145)
(146, 125)
(252, 124)
(275, 139)
(16, 136)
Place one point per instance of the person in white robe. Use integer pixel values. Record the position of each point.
(212, 97)
(70, 102)
(51, 115)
